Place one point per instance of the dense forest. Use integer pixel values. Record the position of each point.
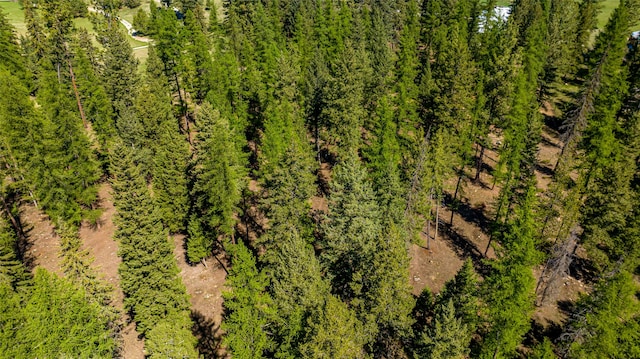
(307, 150)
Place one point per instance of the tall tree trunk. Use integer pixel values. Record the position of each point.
(455, 198)
(75, 90)
(437, 217)
(479, 163)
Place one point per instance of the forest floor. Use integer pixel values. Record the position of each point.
(204, 284)
(429, 267)
(468, 236)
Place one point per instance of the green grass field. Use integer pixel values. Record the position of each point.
(15, 15)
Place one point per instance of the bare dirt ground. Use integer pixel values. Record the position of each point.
(468, 236)
(44, 245)
(432, 268)
(551, 312)
(204, 286)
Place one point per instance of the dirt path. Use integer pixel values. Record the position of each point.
(99, 241)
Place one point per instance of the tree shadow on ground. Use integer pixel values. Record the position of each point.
(583, 269)
(545, 170)
(469, 213)
(208, 334)
(464, 248)
(538, 332)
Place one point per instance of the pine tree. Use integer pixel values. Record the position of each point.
(343, 112)
(561, 40)
(155, 295)
(120, 74)
(218, 174)
(248, 308)
(587, 22)
(9, 51)
(351, 231)
(52, 318)
(462, 290)
(76, 266)
(94, 99)
(446, 337)
(605, 322)
(408, 123)
(65, 179)
(384, 156)
(197, 62)
(168, 152)
(508, 291)
(13, 273)
(334, 332)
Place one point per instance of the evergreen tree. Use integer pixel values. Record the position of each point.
(218, 175)
(334, 332)
(605, 322)
(155, 295)
(447, 336)
(120, 74)
(198, 63)
(462, 290)
(508, 291)
(587, 22)
(13, 273)
(93, 95)
(52, 318)
(343, 112)
(76, 266)
(66, 176)
(248, 308)
(168, 152)
(351, 231)
(9, 50)
(561, 40)
(408, 123)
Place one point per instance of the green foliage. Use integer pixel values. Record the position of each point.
(53, 318)
(218, 175)
(12, 271)
(149, 272)
(605, 322)
(141, 22)
(171, 338)
(352, 229)
(66, 170)
(462, 290)
(120, 73)
(9, 51)
(509, 291)
(248, 308)
(76, 266)
(447, 336)
(167, 151)
(543, 350)
(343, 112)
(95, 101)
(334, 332)
(197, 64)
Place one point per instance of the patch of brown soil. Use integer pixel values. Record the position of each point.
(548, 153)
(433, 267)
(44, 245)
(551, 311)
(204, 286)
(320, 204)
(99, 241)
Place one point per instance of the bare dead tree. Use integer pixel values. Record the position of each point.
(556, 268)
